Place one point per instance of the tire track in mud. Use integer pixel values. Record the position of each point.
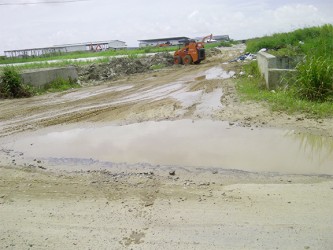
(149, 99)
(176, 92)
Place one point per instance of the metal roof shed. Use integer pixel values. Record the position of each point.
(157, 41)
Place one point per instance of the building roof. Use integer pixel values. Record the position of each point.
(221, 37)
(88, 43)
(44, 48)
(64, 46)
(164, 39)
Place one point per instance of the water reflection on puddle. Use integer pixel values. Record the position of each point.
(186, 143)
(215, 73)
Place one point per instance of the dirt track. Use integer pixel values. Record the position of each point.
(150, 207)
(171, 93)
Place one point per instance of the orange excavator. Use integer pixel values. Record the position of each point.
(192, 52)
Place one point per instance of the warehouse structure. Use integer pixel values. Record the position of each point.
(177, 40)
(220, 38)
(161, 41)
(66, 48)
(215, 39)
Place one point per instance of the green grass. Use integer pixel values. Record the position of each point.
(314, 79)
(58, 85)
(284, 99)
(157, 66)
(105, 56)
(311, 90)
(220, 44)
(76, 55)
(11, 85)
(107, 53)
(315, 41)
(39, 65)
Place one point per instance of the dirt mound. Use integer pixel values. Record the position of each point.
(123, 66)
(213, 52)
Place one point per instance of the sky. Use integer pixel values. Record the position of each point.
(28, 24)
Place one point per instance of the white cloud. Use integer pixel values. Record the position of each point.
(193, 14)
(129, 20)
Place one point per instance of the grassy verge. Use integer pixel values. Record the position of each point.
(77, 55)
(41, 62)
(284, 99)
(311, 90)
(316, 41)
(12, 86)
(40, 65)
(57, 85)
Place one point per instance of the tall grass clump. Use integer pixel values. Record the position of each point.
(11, 85)
(314, 76)
(310, 90)
(282, 40)
(283, 99)
(314, 79)
(58, 85)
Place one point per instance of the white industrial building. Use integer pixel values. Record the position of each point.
(177, 40)
(161, 41)
(65, 48)
(217, 38)
(221, 38)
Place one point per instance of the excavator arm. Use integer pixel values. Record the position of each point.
(209, 37)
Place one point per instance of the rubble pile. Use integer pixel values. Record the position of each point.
(123, 66)
(213, 52)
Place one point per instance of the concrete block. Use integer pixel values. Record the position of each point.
(274, 69)
(265, 62)
(277, 76)
(288, 62)
(41, 77)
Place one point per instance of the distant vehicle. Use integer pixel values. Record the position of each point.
(192, 52)
(211, 41)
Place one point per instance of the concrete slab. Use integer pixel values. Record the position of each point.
(41, 77)
(276, 70)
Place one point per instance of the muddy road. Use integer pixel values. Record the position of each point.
(169, 158)
(177, 92)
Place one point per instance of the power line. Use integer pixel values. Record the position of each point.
(49, 2)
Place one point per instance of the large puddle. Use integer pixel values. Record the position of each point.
(203, 144)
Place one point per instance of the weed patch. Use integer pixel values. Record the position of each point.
(11, 85)
(283, 99)
(158, 66)
(314, 79)
(59, 85)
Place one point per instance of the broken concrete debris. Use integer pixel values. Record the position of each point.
(123, 66)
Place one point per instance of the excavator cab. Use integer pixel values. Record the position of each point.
(191, 52)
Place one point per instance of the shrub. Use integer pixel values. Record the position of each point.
(311, 40)
(314, 79)
(225, 44)
(147, 49)
(11, 85)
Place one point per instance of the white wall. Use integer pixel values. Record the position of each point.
(76, 48)
(117, 44)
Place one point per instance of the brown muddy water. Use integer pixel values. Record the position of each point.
(186, 143)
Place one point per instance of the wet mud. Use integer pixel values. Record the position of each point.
(186, 143)
(166, 158)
